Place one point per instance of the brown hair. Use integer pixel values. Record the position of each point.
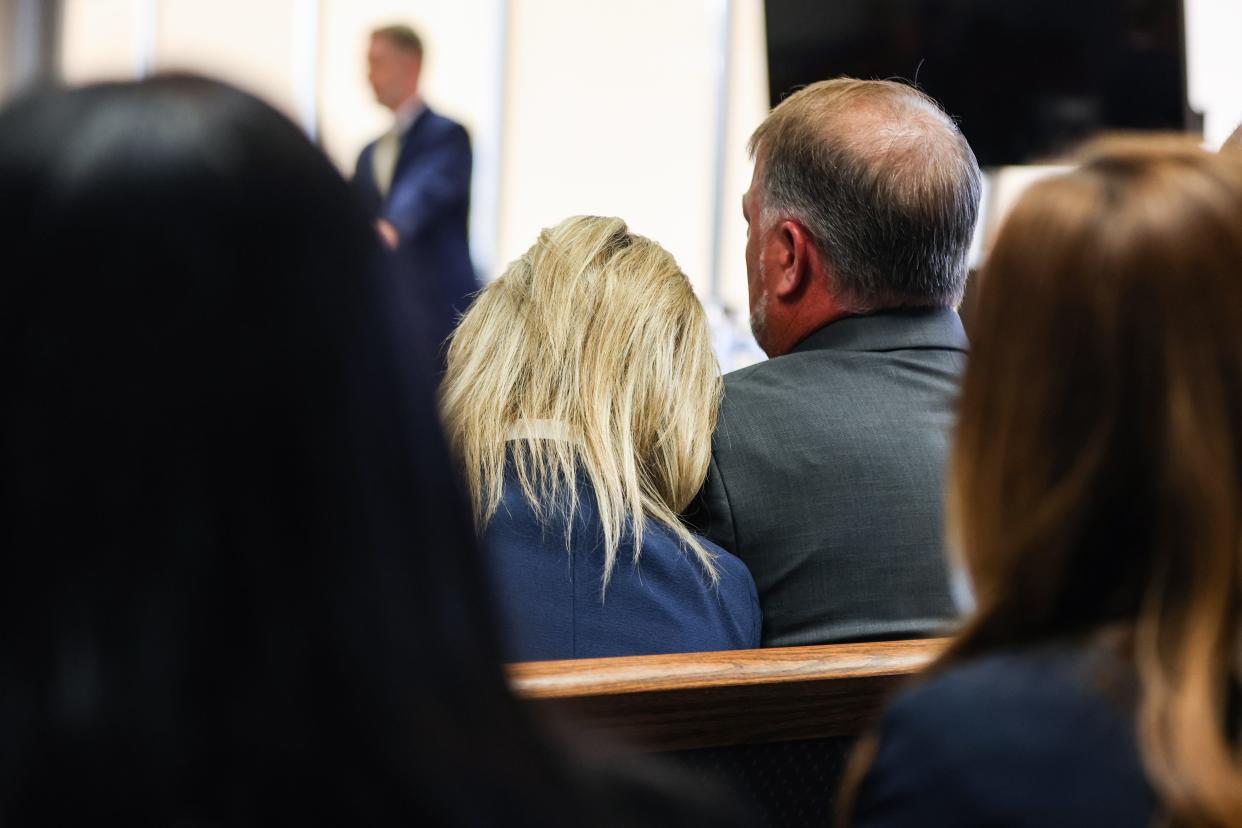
(401, 36)
(1234, 142)
(884, 183)
(1097, 470)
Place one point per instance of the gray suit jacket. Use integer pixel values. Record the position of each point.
(827, 478)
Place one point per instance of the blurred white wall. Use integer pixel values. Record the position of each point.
(574, 106)
(748, 105)
(253, 45)
(102, 40)
(250, 44)
(611, 112)
(614, 108)
(1214, 65)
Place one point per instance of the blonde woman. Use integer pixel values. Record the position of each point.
(580, 399)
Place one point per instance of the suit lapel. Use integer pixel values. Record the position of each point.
(411, 142)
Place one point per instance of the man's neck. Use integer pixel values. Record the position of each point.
(407, 112)
(802, 320)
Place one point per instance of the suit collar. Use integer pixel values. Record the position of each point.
(410, 140)
(891, 330)
(420, 118)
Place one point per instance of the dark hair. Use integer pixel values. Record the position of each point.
(401, 36)
(883, 181)
(239, 582)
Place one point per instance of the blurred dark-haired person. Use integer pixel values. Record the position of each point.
(239, 586)
(827, 461)
(1096, 498)
(415, 180)
(580, 397)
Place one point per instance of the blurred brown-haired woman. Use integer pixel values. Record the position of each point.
(1096, 499)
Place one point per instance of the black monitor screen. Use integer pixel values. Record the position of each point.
(1026, 79)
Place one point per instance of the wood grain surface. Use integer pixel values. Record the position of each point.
(676, 702)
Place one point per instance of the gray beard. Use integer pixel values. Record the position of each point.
(759, 318)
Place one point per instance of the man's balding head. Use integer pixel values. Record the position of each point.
(883, 182)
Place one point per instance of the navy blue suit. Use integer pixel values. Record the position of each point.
(429, 205)
(1033, 738)
(549, 595)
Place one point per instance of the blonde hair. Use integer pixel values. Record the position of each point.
(597, 330)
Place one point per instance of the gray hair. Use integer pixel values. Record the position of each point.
(883, 181)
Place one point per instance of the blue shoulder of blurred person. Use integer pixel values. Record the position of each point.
(1040, 736)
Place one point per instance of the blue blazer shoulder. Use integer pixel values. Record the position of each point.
(549, 591)
(1043, 736)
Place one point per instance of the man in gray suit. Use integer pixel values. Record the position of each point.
(828, 460)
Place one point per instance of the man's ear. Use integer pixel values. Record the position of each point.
(794, 258)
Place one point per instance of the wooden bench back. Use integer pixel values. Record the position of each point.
(699, 700)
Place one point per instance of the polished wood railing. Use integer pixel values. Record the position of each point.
(696, 700)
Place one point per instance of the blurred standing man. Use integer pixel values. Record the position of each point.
(827, 463)
(415, 181)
